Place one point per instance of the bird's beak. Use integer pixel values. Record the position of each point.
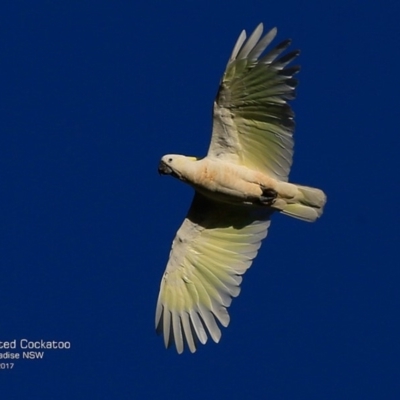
(164, 169)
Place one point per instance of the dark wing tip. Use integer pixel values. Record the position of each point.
(289, 72)
(284, 44)
(287, 58)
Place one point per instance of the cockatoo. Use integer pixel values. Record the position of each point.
(241, 182)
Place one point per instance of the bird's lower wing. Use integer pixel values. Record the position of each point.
(215, 245)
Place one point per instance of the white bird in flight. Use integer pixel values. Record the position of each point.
(241, 182)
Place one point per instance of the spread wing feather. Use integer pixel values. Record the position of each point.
(252, 122)
(215, 245)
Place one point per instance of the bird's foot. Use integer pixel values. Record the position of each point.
(268, 197)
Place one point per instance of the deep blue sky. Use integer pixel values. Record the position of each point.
(92, 95)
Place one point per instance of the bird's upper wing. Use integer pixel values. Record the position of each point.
(252, 122)
(212, 249)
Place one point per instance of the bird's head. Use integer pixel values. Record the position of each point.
(175, 165)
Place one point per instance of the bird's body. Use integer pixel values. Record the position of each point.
(241, 182)
(225, 181)
(228, 182)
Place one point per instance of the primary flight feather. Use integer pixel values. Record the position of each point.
(241, 182)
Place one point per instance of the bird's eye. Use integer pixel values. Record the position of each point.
(169, 159)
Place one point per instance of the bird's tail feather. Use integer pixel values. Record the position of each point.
(309, 204)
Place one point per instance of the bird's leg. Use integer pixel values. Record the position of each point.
(268, 196)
